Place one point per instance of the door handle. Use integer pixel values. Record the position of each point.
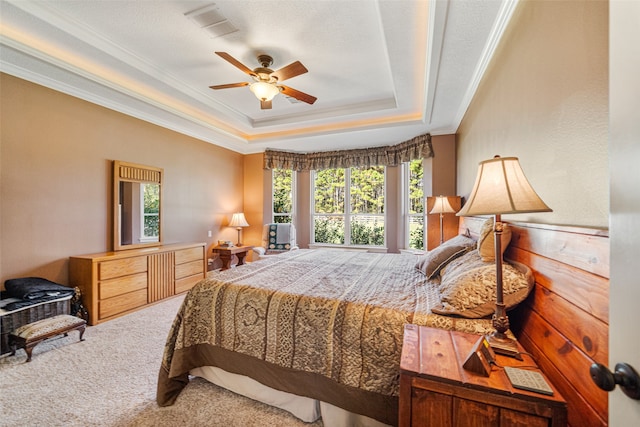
(624, 375)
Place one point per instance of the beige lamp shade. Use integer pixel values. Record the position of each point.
(238, 220)
(441, 206)
(502, 188)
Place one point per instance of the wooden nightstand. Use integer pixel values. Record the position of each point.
(227, 253)
(436, 391)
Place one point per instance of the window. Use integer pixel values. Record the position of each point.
(415, 204)
(150, 208)
(283, 195)
(352, 214)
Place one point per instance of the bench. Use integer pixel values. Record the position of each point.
(32, 334)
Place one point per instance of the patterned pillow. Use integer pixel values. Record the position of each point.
(468, 286)
(434, 260)
(486, 241)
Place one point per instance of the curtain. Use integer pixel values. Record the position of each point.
(416, 148)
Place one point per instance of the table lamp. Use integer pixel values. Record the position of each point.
(501, 188)
(442, 206)
(238, 220)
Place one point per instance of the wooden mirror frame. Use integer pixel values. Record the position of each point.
(134, 173)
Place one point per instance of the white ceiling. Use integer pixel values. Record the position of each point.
(383, 71)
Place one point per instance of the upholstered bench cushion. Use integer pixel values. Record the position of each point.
(46, 326)
(30, 335)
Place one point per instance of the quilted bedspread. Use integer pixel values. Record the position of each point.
(309, 322)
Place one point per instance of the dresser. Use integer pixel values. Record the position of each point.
(436, 391)
(117, 283)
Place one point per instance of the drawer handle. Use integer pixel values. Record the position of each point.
(624, 375)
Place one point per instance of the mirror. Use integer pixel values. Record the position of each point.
(137, 205)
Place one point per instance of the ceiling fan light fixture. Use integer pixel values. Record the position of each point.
(264, 91)
(266, 80)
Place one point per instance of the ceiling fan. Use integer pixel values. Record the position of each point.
(266, 87)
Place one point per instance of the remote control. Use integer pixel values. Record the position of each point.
(528, 380)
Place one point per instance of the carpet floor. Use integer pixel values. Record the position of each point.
(110, 380)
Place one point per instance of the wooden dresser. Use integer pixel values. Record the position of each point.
(116, 283)
(436, 391)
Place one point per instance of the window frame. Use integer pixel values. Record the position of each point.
(406, 191)
(291, 214)
(144, 238)
(347, 214)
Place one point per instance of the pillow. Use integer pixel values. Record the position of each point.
(468, 286)
(431, 263)
(486, 242)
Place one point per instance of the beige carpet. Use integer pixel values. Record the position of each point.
(110, 380)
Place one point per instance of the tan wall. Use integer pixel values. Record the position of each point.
(55, 179)
(440, 170)
(544, 99)
(253, 199)
(303, 208)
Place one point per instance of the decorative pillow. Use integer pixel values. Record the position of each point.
(468, 286)
(433, 261)
(486, 242)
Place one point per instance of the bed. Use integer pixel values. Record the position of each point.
(324, 326)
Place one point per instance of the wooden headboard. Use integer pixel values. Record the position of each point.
(564, 323)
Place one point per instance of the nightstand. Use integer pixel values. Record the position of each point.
(227, 253)
(436, 391)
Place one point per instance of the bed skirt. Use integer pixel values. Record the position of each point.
(303, 408)
(380, 407)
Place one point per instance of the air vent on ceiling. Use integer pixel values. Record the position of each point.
(210, 19)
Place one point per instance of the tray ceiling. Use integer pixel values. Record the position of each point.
(383, 71)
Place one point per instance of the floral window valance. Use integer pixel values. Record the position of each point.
(393, 155)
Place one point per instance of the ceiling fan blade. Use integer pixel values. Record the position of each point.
(289, 71)
(300, 96)
(265, 105)
(229, 85)
(235, 62)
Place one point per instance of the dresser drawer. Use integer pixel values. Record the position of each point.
(191, 254)
(121, 303)
(187, 283)
(121, 267)
(122, 285)
(189, 269)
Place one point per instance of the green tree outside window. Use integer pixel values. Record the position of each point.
(416, 204)
(283, 188)
(151, 210)
(358, 206)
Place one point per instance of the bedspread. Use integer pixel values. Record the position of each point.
(330, 320)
